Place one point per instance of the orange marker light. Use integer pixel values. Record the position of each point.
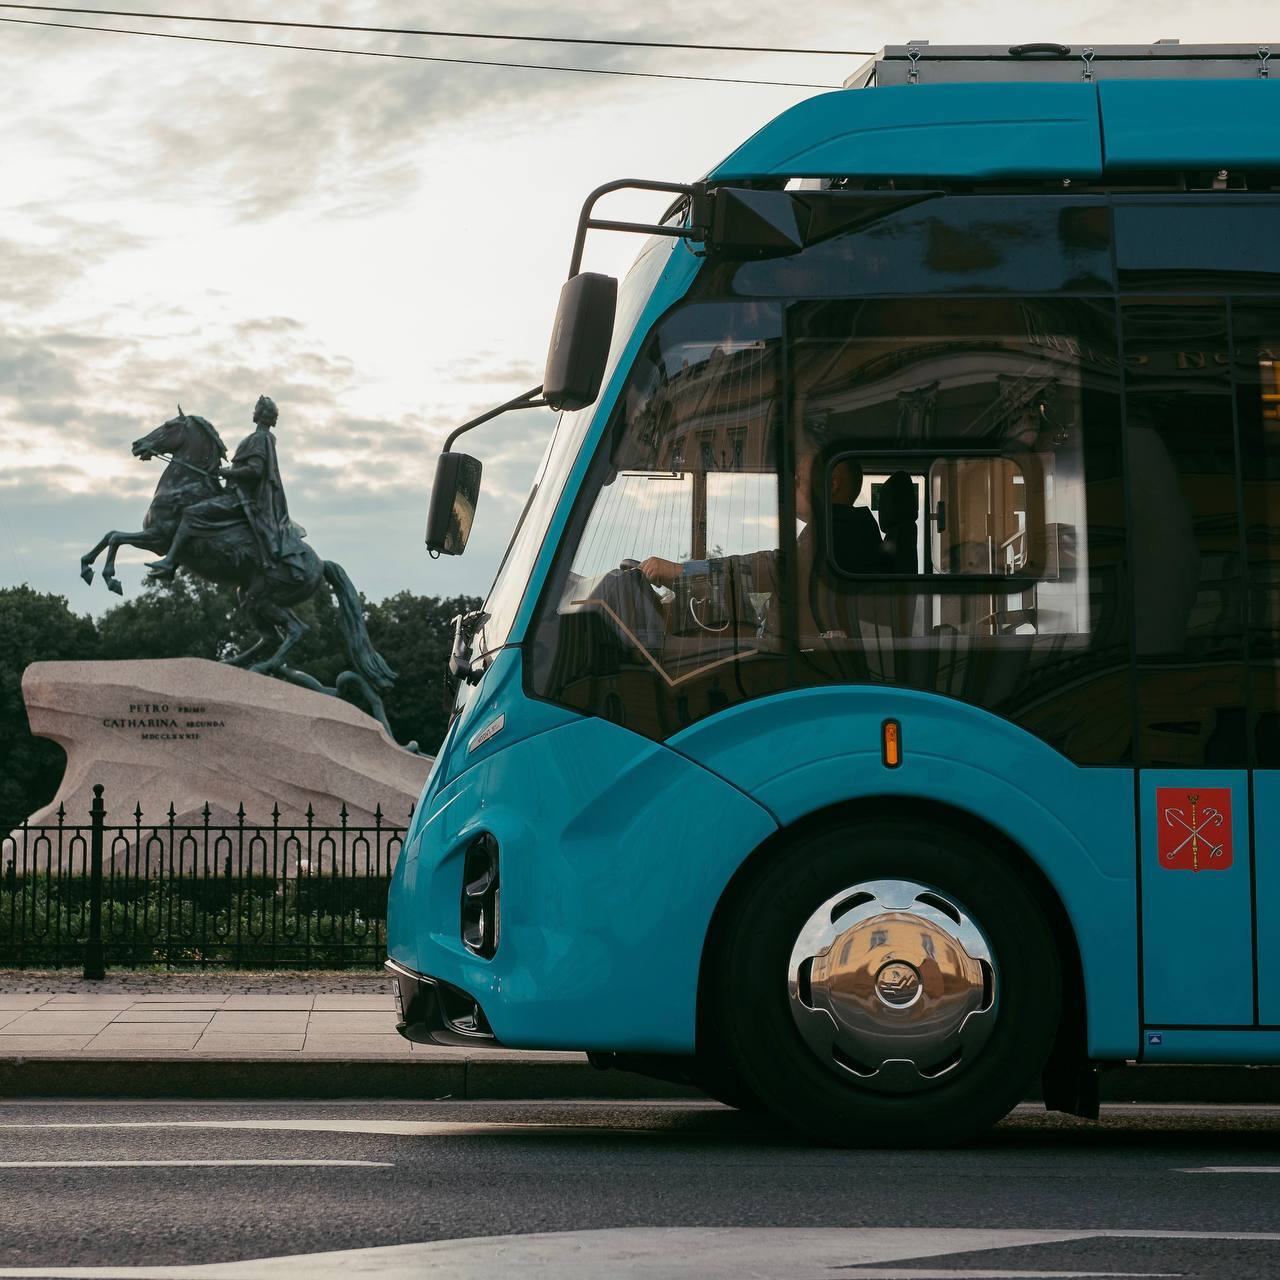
(891, 744)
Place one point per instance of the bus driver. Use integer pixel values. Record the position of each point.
(856, 544)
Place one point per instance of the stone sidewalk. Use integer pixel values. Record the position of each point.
(294, 1035)
(204, 1023)
(249, 1035)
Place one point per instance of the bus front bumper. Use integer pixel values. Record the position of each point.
(431, 1011)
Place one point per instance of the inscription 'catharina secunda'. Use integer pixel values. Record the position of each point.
(1193, 828)
(164, 722)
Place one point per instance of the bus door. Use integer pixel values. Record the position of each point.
(1256, 370)
(1191, 677)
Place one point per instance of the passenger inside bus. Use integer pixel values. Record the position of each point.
(856, 544)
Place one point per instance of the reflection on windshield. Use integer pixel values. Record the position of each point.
(675, 568)
(513, 574)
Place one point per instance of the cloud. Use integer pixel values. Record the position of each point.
(202, 224)
(38, 271)
(266, 133)
(72, 402)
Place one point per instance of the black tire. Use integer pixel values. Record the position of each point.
(720, 1081)
(751, 1010)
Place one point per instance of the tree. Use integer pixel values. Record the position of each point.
(184, 618)
(34, 626)
(415, 635)
(190, 618)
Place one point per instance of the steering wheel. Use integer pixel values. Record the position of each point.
(665, 594)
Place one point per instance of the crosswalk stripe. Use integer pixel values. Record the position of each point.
(674, 1253)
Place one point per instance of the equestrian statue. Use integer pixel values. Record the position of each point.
(231, 525)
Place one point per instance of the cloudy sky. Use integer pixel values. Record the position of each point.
(376, 244)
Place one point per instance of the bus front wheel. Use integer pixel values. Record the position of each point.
(888, 983)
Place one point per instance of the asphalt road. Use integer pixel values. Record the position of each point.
(645, 1190)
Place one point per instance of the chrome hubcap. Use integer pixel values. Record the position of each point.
(892, 985)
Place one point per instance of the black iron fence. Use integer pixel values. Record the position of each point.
(195, 894)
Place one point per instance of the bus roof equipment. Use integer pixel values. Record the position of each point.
(919, 62)
(984, 114)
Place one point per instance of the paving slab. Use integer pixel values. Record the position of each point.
(134, 1045)
(299, 1002)
(123, 1032)
(154, 1013)
(246, 1042)
(23, 1001)
(78, 1001)
(356, 1045)
(337, 1023)
(60, 1022)
(179, 997)
(261, 1022)
(43, 1044)
(213, 1004)
(370, 1002)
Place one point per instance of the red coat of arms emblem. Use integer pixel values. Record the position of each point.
(1193, 828)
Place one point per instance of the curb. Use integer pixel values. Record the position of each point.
(1223, 1085)
(317, 1077)
(490, 1079)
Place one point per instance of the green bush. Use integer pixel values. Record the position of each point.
(311, 923)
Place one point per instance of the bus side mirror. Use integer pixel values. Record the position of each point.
(453, 503)
(580, 341)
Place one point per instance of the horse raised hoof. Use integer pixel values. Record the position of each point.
(113, 584)
(86, 571)
(161, 571)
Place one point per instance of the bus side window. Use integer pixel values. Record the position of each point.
(1188, 569)
(967, 423)
(989, 515)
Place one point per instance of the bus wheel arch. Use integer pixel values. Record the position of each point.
(1069, 1080)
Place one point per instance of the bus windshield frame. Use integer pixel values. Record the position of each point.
(512, 579)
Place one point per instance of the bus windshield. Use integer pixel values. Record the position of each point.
(513, 573)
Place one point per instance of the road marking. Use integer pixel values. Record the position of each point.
(195, 1164)
(664, 1253)
(949, 1273)
(1234, 1168)
(396, 1128)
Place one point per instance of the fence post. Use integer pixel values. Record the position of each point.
(94, 959)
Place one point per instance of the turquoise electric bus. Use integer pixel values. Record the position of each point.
(875, 716)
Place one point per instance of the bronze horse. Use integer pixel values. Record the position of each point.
(231, 556)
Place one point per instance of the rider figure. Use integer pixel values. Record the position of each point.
(254, 495)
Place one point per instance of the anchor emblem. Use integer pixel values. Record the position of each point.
(1193, 828)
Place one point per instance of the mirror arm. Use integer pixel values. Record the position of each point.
(586, 222)
(526, 400)
(465, 626)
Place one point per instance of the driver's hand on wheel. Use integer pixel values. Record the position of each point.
(663, 572)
